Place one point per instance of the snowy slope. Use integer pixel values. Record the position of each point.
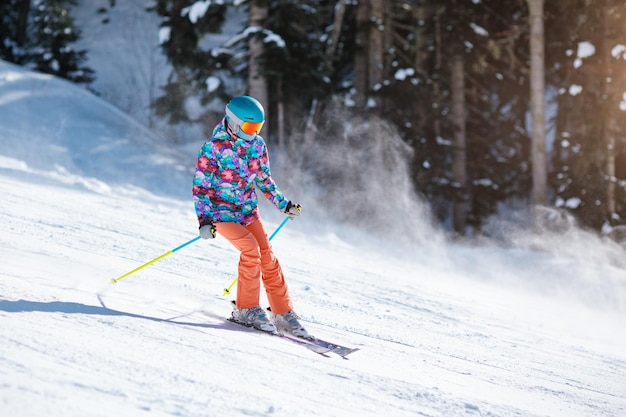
(58, 129)
(444, 330)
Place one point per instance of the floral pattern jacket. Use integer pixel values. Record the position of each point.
(227, 172)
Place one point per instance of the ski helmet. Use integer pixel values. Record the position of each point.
(245, 116)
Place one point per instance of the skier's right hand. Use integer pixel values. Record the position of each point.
(207, 229)
(292, 209)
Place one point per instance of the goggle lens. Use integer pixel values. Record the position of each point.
(251, 128)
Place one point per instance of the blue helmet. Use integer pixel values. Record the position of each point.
(245, 116)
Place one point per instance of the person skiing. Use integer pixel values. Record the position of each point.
(231, 164)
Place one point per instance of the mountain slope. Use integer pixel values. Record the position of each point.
(443, 331)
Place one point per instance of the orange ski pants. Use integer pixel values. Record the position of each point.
(257, 262)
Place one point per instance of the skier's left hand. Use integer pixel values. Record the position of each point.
(207, 229)
(293, 209)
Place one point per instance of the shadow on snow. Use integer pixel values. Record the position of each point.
(26, 306)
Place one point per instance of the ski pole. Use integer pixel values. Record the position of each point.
(232, 284)
(115, 280)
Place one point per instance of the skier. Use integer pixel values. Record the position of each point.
(229, 166)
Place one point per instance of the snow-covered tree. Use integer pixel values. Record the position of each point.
(184, 27)
(395, 61)
(40, 34)
(589, 70)
(288, 54)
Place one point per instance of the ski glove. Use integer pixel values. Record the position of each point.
(292, 209)
(207, 229)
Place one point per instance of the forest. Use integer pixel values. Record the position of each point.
(495, 103)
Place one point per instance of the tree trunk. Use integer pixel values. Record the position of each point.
(421, 13)
(340, 11)
(257, 84)
(436, 85)
(368, 58)
(608, 127)
(280, 111)
(387, 59)
(22, 23)
(361, 81)
(376, 52)
(459, 165)
(537, 97)
(438, 203)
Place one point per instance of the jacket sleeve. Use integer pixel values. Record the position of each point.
(265, 183)
(202, 185)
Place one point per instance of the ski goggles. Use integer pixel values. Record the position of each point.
(251, 128)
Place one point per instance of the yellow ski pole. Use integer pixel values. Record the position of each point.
(232, 284)
(121, 277)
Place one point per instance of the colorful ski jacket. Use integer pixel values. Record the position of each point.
(227, 171)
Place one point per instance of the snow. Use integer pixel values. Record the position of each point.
(197, 10)
(404, 73)
(165, 33)
(268, 37)
(212, 84)
(443, 329)
(585, 50)
(479, 30)
(571, 203)
(575, 89)
(618, 51)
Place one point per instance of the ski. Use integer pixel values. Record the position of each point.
(323, 346)
(340, 350)
(314, 347)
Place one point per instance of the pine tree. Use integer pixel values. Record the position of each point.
(39, 34)
(52, 33)
(589, 66)
(12, 31)
(294, 62)
(185, 24)
(426, 38)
